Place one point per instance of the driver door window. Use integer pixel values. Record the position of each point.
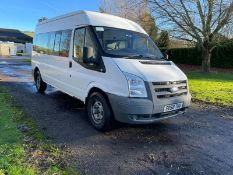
(79, 39)
(82, 38)
(90, 44)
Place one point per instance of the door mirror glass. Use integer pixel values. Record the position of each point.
(166, 56)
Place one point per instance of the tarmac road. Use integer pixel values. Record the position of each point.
(198, 142)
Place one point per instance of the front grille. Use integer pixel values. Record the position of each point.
(165, 89)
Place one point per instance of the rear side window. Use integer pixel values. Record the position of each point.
(56, 48)
(65, 43)
(41, 43)
(53, 43)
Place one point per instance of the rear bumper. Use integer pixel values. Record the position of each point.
(144, 111)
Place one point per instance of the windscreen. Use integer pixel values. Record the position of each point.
(126, 43)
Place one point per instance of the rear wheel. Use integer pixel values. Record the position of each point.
(40, 84)
(99, 112)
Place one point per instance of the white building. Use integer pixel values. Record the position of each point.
(11, 48)
(7, 49)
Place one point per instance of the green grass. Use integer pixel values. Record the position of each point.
(28, 60)
(22, 54)
(31, 34)
(20, 157)
(212, 87)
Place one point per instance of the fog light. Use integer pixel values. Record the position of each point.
(133, 117)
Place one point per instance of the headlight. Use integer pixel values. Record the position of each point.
(136, 85)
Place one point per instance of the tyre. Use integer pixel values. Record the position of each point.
(40, 84)
(99, 112)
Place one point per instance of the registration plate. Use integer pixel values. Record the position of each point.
(172, 107)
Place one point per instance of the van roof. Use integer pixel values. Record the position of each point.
(70, 20)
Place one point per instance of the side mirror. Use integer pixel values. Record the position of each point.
(88, 54)
(166, 56)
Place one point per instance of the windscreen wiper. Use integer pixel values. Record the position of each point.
(145, 57)
(136, 56)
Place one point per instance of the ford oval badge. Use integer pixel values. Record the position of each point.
(174, 89)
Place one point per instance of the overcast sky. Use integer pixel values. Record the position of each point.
(24, 14)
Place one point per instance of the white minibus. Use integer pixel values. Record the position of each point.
(111, 65)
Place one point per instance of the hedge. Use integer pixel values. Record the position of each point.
(222, 56)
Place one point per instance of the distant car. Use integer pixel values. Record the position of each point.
(112, 65)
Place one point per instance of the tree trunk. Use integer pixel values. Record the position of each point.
(206, 55)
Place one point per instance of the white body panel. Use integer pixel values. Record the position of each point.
(151, 73)
(83, 18)
(54, 70)
(77, 80)
(82, 80)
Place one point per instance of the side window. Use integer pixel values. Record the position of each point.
(84, 42)
(65, 43)
(44, 43)
(79, 44)
(51, 42)
(41, 43)
(89, 44)
(38, 43)
(56, 48)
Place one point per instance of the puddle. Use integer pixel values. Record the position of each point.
(19, 73)
(3, 62)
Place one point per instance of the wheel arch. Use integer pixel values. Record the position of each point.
(34, 71)
(96, 89)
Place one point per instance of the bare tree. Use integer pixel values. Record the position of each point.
(135, 10)
(195, 20)
(129, 9)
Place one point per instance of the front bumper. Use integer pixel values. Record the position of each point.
(144, 111)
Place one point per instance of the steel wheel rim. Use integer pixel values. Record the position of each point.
(97, 112)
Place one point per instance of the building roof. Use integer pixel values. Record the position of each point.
(68, 21)
(14, 35)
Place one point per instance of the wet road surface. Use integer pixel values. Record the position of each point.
(199, 142)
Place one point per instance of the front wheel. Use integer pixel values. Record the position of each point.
(99, 112)
(40, 84)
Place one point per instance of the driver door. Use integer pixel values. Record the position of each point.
(83, 70)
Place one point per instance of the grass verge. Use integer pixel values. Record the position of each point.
(214, 88)
(23, 149)
(28, 60)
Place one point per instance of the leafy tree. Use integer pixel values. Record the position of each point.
(163, 40)
(148, 23)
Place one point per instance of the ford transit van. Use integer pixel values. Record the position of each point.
(112, 65)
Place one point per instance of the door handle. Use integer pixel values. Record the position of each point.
(70, 64)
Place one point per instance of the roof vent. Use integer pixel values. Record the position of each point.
(42, 19)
